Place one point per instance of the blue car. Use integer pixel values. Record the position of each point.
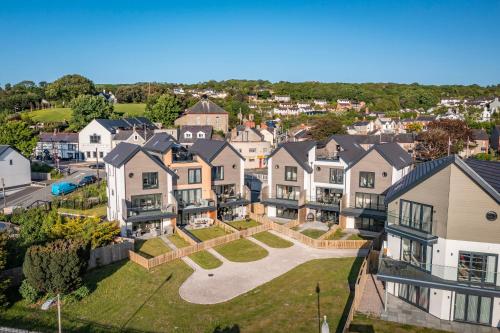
(63, 188)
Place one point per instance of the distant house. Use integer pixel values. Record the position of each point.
(364, 127)
(136, 135)
(57, 145)
(15, 170)
(495, 138)
(320, 102)
(281, 98)
(480, 142)
(250, 143)
(109, 96)
(205, 113)
(189, 134)
(450, 101)
(345, 104)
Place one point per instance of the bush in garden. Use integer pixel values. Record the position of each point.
(28, 292)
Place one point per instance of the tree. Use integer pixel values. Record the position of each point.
(324, 127)
(35, 225)
(4, 282)
(68, 87)
(90, 229)
(19, 135)
(163, 108)
(414, 128)
(440, 136)
(56, 267)
(86, 108)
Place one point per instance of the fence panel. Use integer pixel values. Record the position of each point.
(184, 236)
(225, 226)
(329, 232)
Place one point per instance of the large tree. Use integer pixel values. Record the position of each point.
(324, 127)
(441, 137)
(68, 87)
(86, 108)
(19, 135)
(163, 108)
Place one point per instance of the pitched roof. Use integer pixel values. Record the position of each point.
(205, 106)
(479, 134)
(126, 123)
(209, 149)
(487, 179)
(123, 135)
(194, 129)
(394, 154)
(3, 149)
(488, 170)
(299, 151)
(160, 143)
(58, 137)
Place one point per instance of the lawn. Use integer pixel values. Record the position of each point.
(313, 233)
(129, 298)
(364, 324)
(97, 211)
(359, 237)
(272, 240)
(61, 114)
(338, 234)
(242, 225)
(207, 233)
(203, 258)
(151, 248)
(242, 250)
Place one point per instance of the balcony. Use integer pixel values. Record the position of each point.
(293, 200)
(402, 227)
(328, 157)
(324, 202)
(133, 213)
(437, 276)
(232, 199)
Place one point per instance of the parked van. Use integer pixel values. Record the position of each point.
(63, 188)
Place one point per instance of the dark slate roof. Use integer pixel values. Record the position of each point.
(194, 129)
(361, 123)
(479, 134)
(126, 123)
(160, 143)
(58, 137)
(487, 179)
(205, 106)
(394, 154)
(209, 149)
(299, 151)
(123, 135)
(3, 149)
(488, 170)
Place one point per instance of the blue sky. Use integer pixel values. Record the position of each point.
(431, 42)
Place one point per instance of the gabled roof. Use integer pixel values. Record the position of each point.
(205, 106)
(123, 135)
(124, 151)
(391, 152)
(58, 137)
(3, 149)
(160, 143)
(299, 151)
(478, 172)
(126, 123)
(209, 149)
(194, 129)
(479, 134)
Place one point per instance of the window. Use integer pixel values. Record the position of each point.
(200, 135)
(11, 162)
(369, 201)
(328, 195)
(188, 197)
(227, 190)
(291, 173)
(287, 192)
(71, 146)
(477, 267)
(473, 309)
(418, 296)
(101, 154)
(416, 254)
(415, 215)
(367, 223)
(88, 154)
(194, 176)
(336, 176)
(94, 154)
(188, 135)
(252, 150)
(145, 202)
(149, 180)
(94, 138)
(367, 179)
(286, 213)
(218, 173)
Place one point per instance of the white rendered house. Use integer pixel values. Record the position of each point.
(15, 172)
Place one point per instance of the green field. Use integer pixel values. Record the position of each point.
(62, 114)
(127, 298)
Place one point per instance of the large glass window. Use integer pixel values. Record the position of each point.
(336, 176)
(369, 201)
(477, 267)
(149, 180)
(188, 197)
(227, 190)
(416, 215)
(146, 202)
(218, 173)
(328, 195)
(418, 296)
(194, 176)
(473, 309)
(94, 138)
(415, 253)
(366, 179)
(287, 192)
(366, 223)
(286, 213)
(291, 173)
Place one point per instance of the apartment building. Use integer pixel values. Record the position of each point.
(443, 241)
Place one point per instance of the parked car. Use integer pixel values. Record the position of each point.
(90, 179)
(63, 188)
(97, 166)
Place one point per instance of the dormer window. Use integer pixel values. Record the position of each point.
(188, 135)
(200, 135)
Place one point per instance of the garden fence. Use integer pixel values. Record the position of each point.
(80, 204)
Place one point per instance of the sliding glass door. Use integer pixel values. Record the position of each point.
(473, 309)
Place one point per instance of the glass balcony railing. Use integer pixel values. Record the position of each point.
(417, 224)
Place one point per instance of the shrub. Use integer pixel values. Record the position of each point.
(28, 292)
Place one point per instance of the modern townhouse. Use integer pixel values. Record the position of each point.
(250, 143)
(139, 189)
(443, 241)
(97, 138)
(57, 145)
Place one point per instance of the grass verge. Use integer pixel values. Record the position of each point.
(365, 324)
(151, 248)
(203, 258)
(272, 240)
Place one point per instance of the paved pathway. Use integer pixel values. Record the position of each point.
(232, 279)
(372, 302)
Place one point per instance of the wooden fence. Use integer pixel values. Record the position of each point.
(292, 224)
(225, 226)
(184, 236)
(329, 232)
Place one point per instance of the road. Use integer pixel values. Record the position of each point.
(31, 194)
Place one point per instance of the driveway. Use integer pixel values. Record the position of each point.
(233, 279)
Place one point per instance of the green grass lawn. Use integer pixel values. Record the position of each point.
(127, 297)
(241, 250)
(208, 233)
(272, 240)
(359, 237)
(203, 258)
(96, 211)
(61, 114)
(151, 248)
(364, 324)
(242, 225)
(313, 233)
(338, 234)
